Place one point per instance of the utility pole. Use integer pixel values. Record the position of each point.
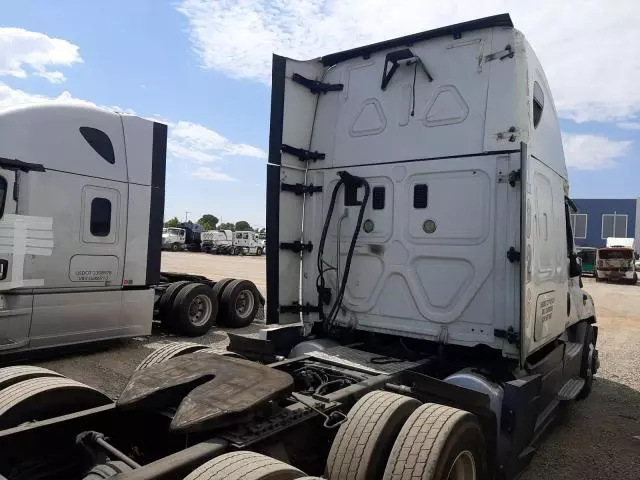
(186, 216)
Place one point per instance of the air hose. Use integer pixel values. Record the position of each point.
(351, 183)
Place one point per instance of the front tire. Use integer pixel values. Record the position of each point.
(438, 442)
(175, 247)
(588, 365)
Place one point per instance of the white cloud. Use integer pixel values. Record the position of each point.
(23, 53)
(200, 144)
(593, 152)
(629, 125)
(207, 173)
(586, 48)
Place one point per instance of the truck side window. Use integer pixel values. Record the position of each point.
(3, 195)
(538, 103)
(100, 142)
(245, 236)
(100, 217)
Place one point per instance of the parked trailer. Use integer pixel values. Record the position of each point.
(81, 227)
(426, 317)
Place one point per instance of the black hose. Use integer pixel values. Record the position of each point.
(350, 180)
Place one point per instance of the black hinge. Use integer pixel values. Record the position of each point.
(514, 176)
(501, 55)
(510, 334)
(297, 308)
(315, 86)
(297, 246)
(15, 164)
(301, 189)
(301, 153)
(513, 255)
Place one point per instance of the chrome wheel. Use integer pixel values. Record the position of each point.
(244, 303)
(463, 467)
(200, 310)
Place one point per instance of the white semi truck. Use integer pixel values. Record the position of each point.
(424, 304)
(82, 200)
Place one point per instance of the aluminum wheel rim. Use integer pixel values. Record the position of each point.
(200, 310)
(244, 303)
(463, 467)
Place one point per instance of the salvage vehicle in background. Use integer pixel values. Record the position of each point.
(425, 316)
(617, 261)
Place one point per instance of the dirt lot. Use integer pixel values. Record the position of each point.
(598, 438)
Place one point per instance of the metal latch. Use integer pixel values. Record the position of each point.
(513, 255)
(301, 153)
(510, 335)
(300, 188)
(297, 246)
(315, 86)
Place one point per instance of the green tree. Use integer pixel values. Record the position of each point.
(174, 222)
(243, 225)
(227, 226)
(208, 222)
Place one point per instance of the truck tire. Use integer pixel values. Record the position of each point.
(43, 398)
(219, 287)
(259, 251)
(107, 470)
(239, 304)
(438, 442)
(165, 305)
(175, 247)
(242, 465)
(363, 443)
(194, 310)
(12, 375)
(170, 350)
(587, 365)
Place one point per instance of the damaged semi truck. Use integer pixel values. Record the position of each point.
(425, 317)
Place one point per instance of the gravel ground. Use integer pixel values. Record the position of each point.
(598, 438)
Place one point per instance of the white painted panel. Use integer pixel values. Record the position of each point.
(135, 261)
(407, 281)
(364, 124)
(50, 135)
(138, 135)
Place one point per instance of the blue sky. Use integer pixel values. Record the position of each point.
(203, 65)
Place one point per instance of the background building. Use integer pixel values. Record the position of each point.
(598, 219)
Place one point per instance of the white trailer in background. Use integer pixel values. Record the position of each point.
(425, 312)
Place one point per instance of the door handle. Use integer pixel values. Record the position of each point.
(4, 268)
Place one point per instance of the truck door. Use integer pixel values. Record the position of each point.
(545, 303)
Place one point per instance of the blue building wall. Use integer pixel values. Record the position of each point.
(595, 208)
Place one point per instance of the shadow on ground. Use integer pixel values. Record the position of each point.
(596, 438)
